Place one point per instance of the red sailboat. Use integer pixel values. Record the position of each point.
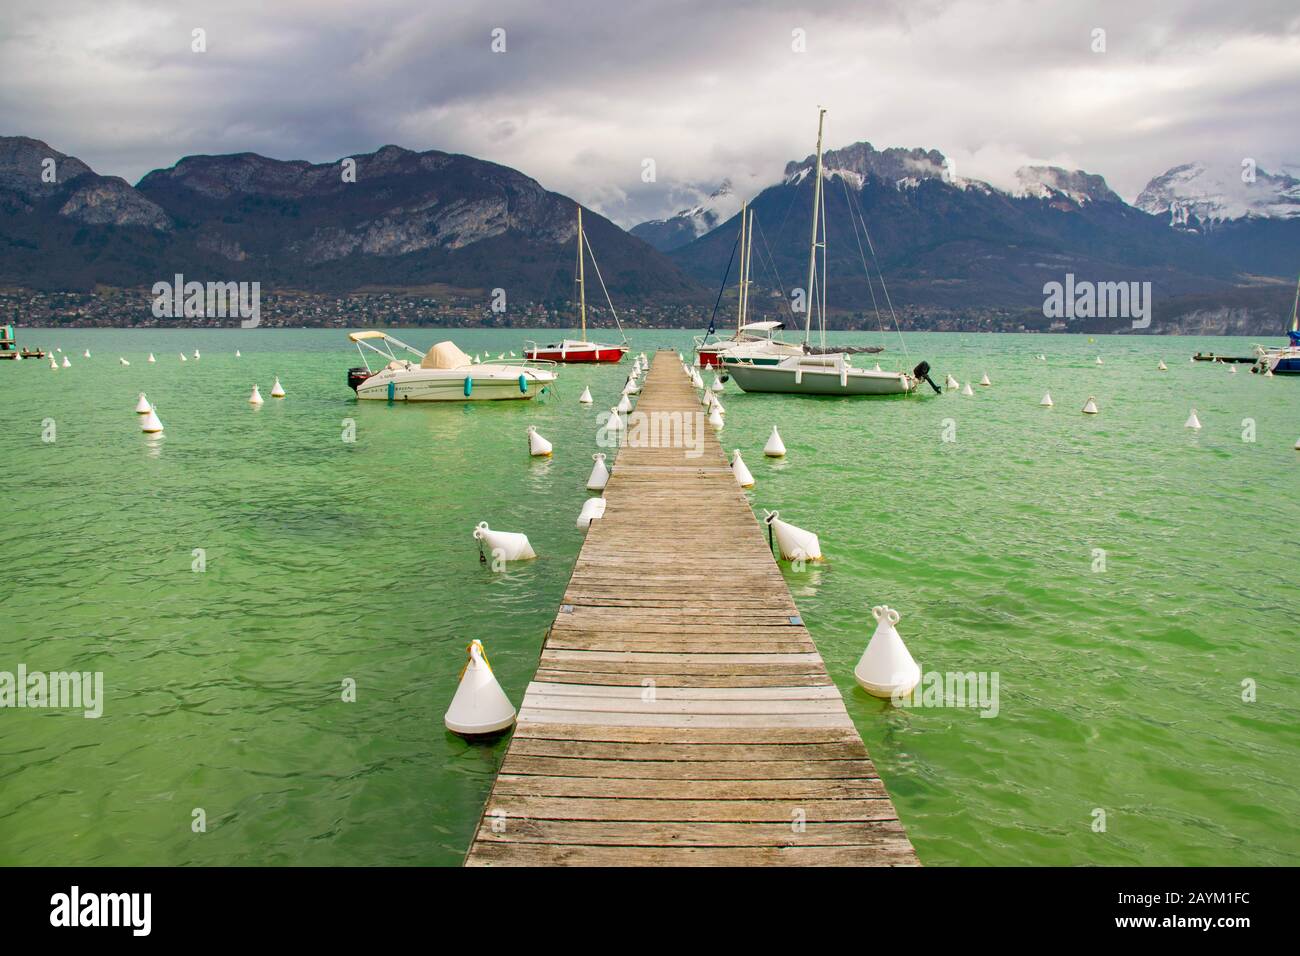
(580, 350)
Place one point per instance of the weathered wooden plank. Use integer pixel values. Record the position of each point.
(538, 854)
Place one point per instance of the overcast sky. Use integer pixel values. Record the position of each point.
(585, 91)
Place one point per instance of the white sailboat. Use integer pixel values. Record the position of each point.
(825, 373)
(755, 342)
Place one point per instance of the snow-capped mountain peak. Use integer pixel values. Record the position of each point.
(1053, 182)
(1204, 193)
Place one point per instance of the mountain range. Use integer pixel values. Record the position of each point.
(415, 220)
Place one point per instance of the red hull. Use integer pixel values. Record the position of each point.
(708, 359)
(600, 353)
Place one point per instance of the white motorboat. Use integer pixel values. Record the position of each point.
(822, 371)
(443, 374)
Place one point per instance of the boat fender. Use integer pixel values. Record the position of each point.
(469, 385)
(523, 384)
(392, 390)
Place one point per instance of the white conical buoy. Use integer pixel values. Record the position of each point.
(1162, 367)
(585, 397)
(86, 354)
(477, 360)
(151, 423)
(1098, 359)
(1047, 400)
(985, 379)
(143, 407)
(538, 446)
(715, 418)
(480, 706)
(1042, 357)
(1231, 368)
(743, 477)
(151, 358)
(794, 543)
(967, 390)
(1193, 421)
(507, 545)
(615, 423)
(717, 385)
(1297, 444)
(54, 365)
(256, 397)
(886, 668)
(592, 509)
(183, 358)
(66, 363)
(277, 390)
(716, 403)
(196, 354)
(599, 473)
(950, 382)
(624, 405)
(1091, 407)
(775, 448)
(123, 360)
(236, 353)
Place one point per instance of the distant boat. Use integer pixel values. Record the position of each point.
(443, 374)
(828, 373)
(1284, 360)
(580, 350)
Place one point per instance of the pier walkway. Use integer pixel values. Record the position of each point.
(680, 713)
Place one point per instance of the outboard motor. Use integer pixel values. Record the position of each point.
(356, 376)
(923, 371)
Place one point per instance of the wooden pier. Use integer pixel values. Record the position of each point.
(680, 714)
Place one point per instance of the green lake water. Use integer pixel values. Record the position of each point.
(1120, 689)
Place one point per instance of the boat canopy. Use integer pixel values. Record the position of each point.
(445, 355)
(762, 326)
(358, 336)
(1294, 336)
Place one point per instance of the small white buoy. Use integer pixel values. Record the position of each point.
(477, 360)
(86, 354)
(277, 390)
(1297, 444)
(715, 403)
(1047, 400)
(615, 423)
(54, 365)
(501, 356)
(599, 473)
(717, 385)
(512, 354)
(196, 355)
(985, 379)
(1231, 368)
(123, 361)
(236, 353)
(1091, 407)
(479, 706)
(538, 446)
(950, 382)
(967, 390)
(66, 363)
(1162, 367)
(1042, 357)
(715, 418)
(143, 407)
(507, 545)
(585, 397)
(793, 543)
(183, 358)
(151, 424)
(743, 477)
(624, 404)
(1098, 359)
(256, 397)
(1268, 373)
(151, 358)
(886, 668)
(1193, 421)
(592, 509)
(775, 448)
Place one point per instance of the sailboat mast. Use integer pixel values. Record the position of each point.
(582, 285)
(749, 263)
(740, 292)
(1295, 309)
(812, 247)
